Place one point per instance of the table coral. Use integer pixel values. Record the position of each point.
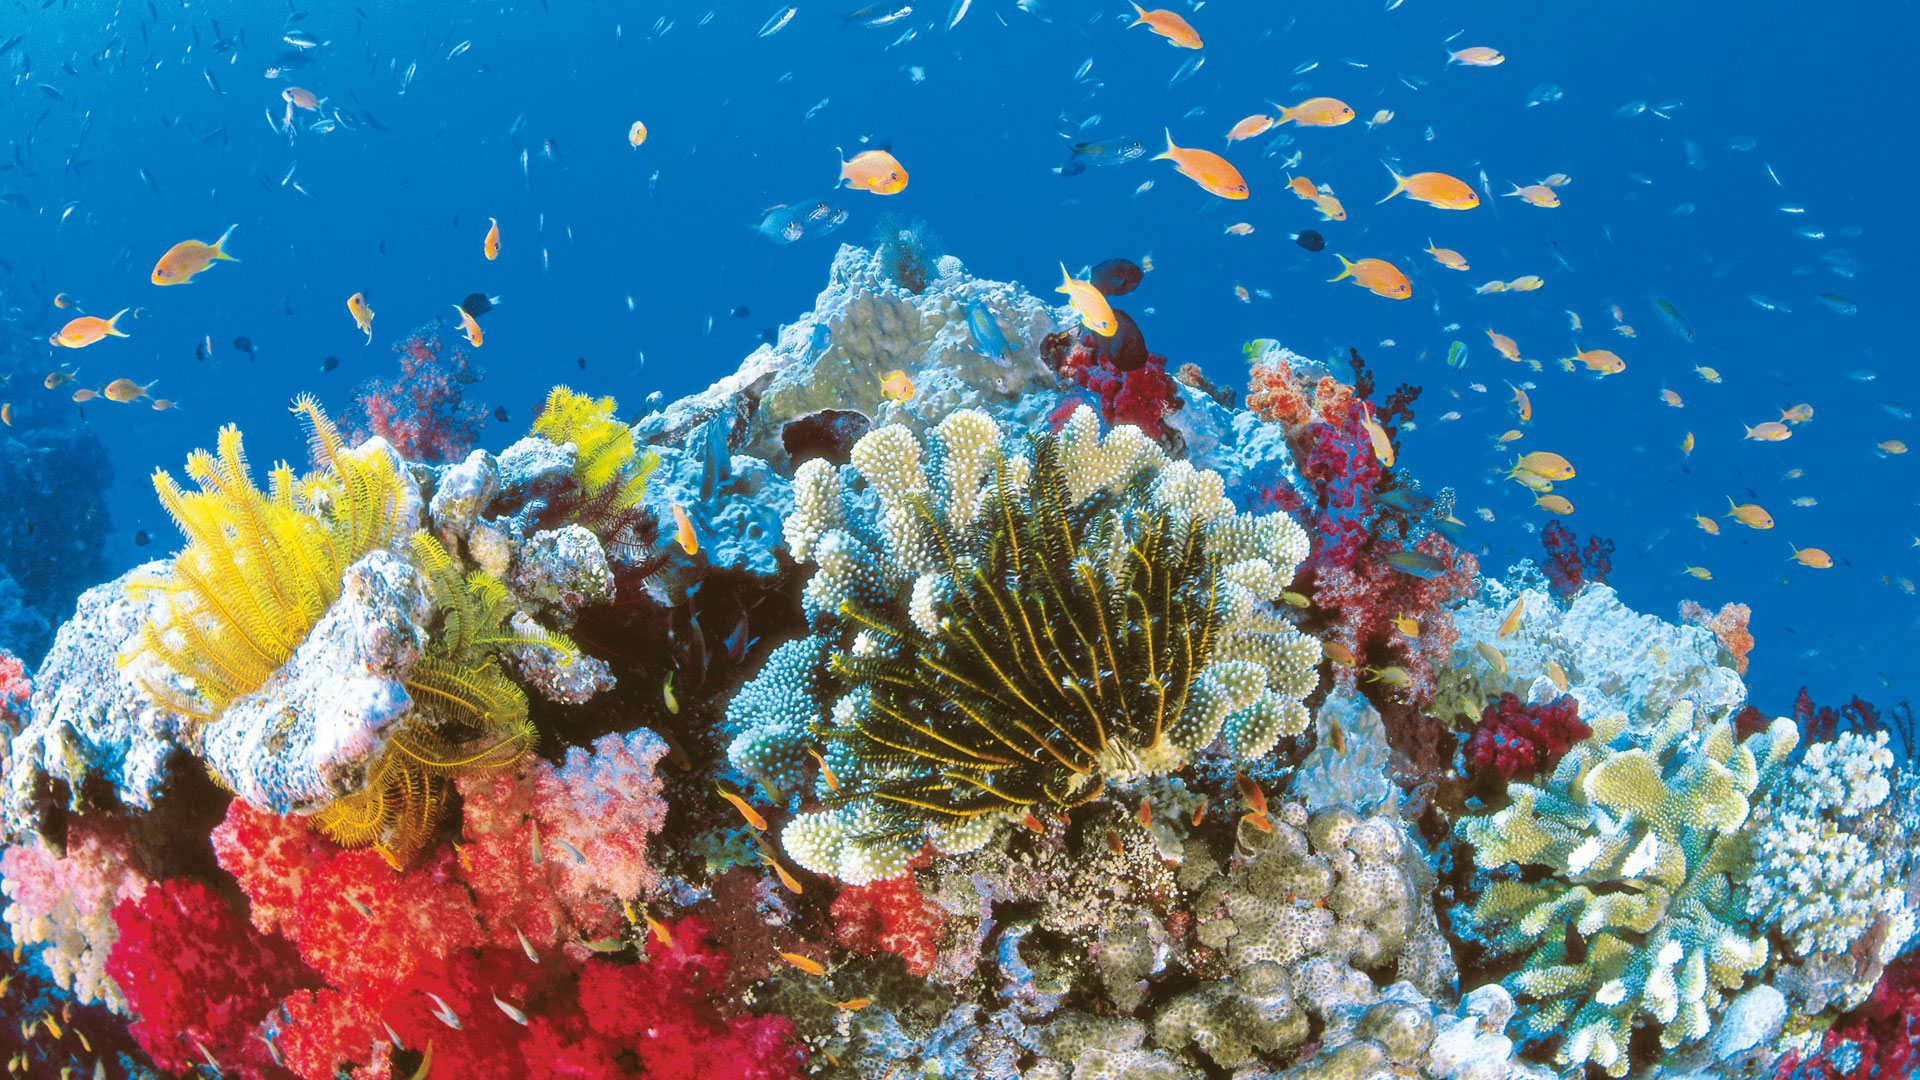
(65, 904)
(952, 702)
(1631, 852)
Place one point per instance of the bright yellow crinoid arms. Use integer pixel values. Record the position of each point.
(260, 567)
(611, 473)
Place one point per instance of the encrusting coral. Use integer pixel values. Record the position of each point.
(1631, 854)
(1024, 625)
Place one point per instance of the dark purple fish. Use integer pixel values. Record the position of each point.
(1116, 277)
(1126, 350)
(1310, 240)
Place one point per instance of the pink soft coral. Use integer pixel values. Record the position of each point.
(14, 686)
(196, 975)
(1877, 1041)
(67, 903)
(890, 916)
(422, 412)
(1514, 739)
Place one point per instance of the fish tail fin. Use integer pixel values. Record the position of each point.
(1346, 268)
(220, 245)
(1170, 146)
(1066, 280)
(1286, 114)
(113, 325)
(1399, 185)
(1142, 12)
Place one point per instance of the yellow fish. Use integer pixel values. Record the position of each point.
(1407, 625)
(683, 529)
(805, 963)
(1545, 463)
(1506, 437)
(1446, 257)
(1329, 207)
(1316, 112)
(1495, 659)
(1505, 346)
(1810, 556)
(300, 99)
(1514, 614)
(1707, 524)
(1707, 373)
(362, 314)
(1890, 446)
(1436, 189)
(1700, 572)
(124, 390)
(1554, 504)
(491, 245)
(1534, 195)
(636, 134)
(1379, 118)
(472, 328)
(1377, 276)
(875, 170)
(1558, 675)
(1672, 399)
(1212, 172)
(1526, 284)
(1749, 514)
(1522, 405)
(1799, 414)
(896, 386)
(1382, 446)
(1605, 361)
(84, 331)
(1686, 445)
(1168, 25)
(751, 815)
(189, 257)
(1490, 287)
(85, 394)
(1089, 303)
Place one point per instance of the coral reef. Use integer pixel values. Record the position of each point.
(65, 902)
(423, 413)
(1136, 631)
(1638, 833)
(1568, 568)
(1514, 739)
(1140, 395)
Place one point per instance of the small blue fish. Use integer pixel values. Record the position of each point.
(1405, 499)
(1461, 537)
(988, 341)
(1417, 564)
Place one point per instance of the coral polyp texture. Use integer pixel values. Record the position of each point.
(1636, 850)
(1020, 626)
(802, 727)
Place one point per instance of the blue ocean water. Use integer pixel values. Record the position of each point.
(136, 125)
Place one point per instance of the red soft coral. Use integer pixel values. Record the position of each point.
(195, 974)
(14, 686)
(1141, 397)
(1514, 739)
(422, 412)
(1367, 595)
(890, 916)
(1877, 1041)
(664, 1010)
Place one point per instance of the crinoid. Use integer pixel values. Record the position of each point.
(261, 567)
(609, 475)
(1012, 627)
(468, 716)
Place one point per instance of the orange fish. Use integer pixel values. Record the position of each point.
(1377, 276)
(1514, 614)
(1316, 112)
(1604, 361)
(1707, 524)
(84, 331)
(491, 245)
(1168, 25)
(189, 257)
(1206, 168)
(362, 314)
(124, 390)
(826, 770)
(805, 963)
(62, 300)
(1522, 405)
(791, 883)
(1505, 346)
(746, 811)
(300, 99)
(896, 386)
(853, 1004)
(1672, 398)
(1545, 464)
(1769, 431)
(1535, 195)
(6, 413)
(1435, 189)
(1253, 125)
(1812, 556)
(474, 337)
(85, 394)
(1752, 515)
(1302, 187)
(636, 134)
(1553, 504)
(1329, 207)
(1089, 303)
(876, 171)
(659, 930)
(1338, 653)
(1446, 257)
(683, 531)
(1476, 56)
(1377, 435)
(1255, 796)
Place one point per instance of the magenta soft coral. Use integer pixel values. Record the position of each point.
(1141, 397)
(1514, 739)
(890, 916)
(196, 975)
(14, 687)
(422, 413)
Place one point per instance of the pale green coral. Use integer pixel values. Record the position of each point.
(1639, 836)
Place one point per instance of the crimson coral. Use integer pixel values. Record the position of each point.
(890, 916)
(1515, 739)
(1877, 1041)
(422, 413)
(1141, 397)
(197, 975)
(14, 687)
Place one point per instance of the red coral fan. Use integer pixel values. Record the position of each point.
(890, 916)
(1514, 739)
(197, 975)
(422, 412)
(1141, 397)
(1877, 1041)
(664, 1010)
(14, 687)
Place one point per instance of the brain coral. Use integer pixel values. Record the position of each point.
(1003, 625)
(1624, 902)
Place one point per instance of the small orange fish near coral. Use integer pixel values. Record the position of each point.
(1554, 504)
(1168, 25)
(874, 170)
(82, 332)
(1089, 303)
(747, 812)
(362, 314)
(1436, 189)
(1212, 172)
(896, 386)
(472, 328)
(189, 257)
(491, 245)
(683, 531)
(1377, 276)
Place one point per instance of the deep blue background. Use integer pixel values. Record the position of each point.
(1823, 91)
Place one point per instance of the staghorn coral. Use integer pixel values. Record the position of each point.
(1831, 870)
(1012, 632)
(66, 903)
(1630, 856)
